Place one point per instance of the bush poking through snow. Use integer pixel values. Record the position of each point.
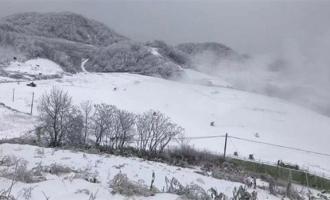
(217, 196)
(196, 192)
(174, 186)
(18, 172)
(57, 169)
(122, 185)
(242, 194)
(192, 191)
(26, 193)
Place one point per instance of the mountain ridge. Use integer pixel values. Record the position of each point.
(68, 38)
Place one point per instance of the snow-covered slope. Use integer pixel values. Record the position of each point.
(104, 168)
(35, 67)
(14, 124)
(194, 106)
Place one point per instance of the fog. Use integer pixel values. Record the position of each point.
(288, 40)
(300, 72)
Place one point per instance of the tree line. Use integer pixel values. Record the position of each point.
(101, 125)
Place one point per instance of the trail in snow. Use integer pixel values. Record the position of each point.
(83, 65)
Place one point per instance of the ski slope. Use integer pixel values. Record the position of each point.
(194, 105)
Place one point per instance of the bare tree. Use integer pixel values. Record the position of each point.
(123, 129)
(58, 117)
(74, 127)
(103, 120)
(87, 108)
(155, 131)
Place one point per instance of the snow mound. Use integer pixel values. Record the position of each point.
(38, 66)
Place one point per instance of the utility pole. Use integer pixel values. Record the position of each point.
(13, 94)
(32, 103)
(225, 149)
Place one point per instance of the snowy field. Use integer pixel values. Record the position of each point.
(104, 168)
(14, 124)
(35, 67)
(194, 103)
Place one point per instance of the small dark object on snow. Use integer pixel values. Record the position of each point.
(235, 153)
(154, 113)
(212, 124)
(32, 84)
(38, 65)
(14, 58)
(114, 89)
(286, 165)
(251, 157)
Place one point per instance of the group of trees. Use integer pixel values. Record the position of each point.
(102, 125)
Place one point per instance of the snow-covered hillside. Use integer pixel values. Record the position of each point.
(14, 124)
(194, 106)
(103, 168)
(35, 67)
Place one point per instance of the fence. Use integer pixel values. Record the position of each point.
(303, 176)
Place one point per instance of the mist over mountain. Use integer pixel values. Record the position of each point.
(300, 76)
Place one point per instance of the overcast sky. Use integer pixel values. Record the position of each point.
(247, 26)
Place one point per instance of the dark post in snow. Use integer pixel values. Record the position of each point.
(225, 149)
(32, 103)
(13, 94)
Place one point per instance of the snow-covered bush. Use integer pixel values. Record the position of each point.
(242, 194)
(16, 170)
(57, 169)
(174, 186)
(196, 192)
(215, 195)
(191, 191)
(122, 185)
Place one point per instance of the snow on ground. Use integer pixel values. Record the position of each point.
(82, 66)
(154, 51)
(14, 124)
(194, 106)
(195, 77)
(106, 167)
(35, 67)
(7, 79)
